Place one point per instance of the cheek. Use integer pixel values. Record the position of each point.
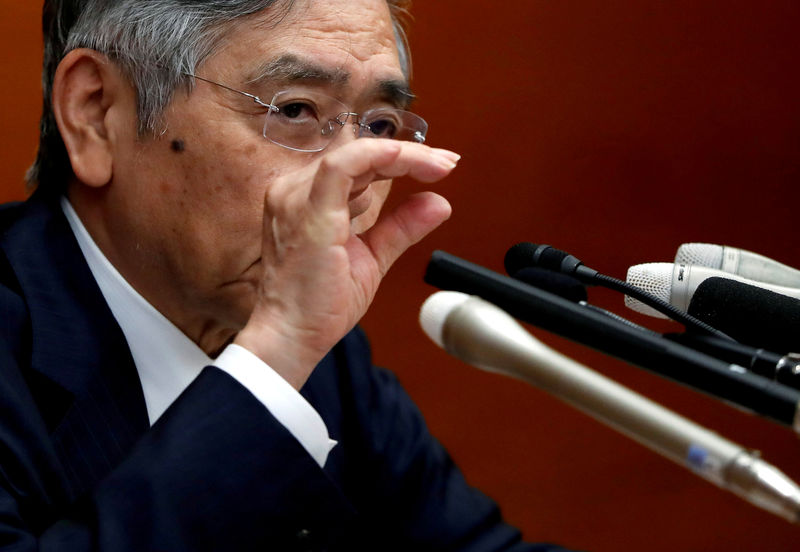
(215, 174)
(213, 197)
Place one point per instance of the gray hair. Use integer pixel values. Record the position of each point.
(155, 43)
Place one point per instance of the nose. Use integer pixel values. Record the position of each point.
(348, 132)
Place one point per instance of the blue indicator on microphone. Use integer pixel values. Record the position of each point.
(697, 458)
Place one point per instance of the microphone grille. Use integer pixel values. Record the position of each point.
(700, 254)
(655, 279)
(435, 310)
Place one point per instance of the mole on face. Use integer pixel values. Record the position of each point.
(177, 145)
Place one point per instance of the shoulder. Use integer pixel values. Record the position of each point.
(14, 318)
(10, 213)
(12, 304)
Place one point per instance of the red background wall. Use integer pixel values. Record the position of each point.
(615, 130)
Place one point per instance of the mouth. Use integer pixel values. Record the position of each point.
(249, 277)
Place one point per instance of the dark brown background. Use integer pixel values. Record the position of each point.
(615, 130)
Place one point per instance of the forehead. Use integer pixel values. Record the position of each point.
(349, 41)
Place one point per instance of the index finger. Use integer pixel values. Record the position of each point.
(363, 161)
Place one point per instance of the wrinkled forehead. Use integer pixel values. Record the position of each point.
(340, 41)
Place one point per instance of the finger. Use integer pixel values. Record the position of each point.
(419, 162)
(354, 166)
(338, 170)
(285, 213)
(408, 223)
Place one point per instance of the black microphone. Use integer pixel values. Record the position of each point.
(729, 382)
(781, 368)
(526, 254)
(750, 314)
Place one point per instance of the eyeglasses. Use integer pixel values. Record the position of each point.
(307, 121)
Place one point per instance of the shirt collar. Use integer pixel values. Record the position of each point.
(166, 359)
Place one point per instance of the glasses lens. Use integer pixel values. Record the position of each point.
(303, 121)
(307, 121)
(395, 124)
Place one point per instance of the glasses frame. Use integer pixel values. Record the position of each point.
(418, 136)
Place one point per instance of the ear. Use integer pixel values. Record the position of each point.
(90, 100)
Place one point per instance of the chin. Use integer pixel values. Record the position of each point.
(232, 308)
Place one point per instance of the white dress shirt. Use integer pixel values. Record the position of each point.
(168, 361)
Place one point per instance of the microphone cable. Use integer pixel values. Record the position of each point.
(527, 254)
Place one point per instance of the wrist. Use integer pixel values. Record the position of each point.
(284, 354)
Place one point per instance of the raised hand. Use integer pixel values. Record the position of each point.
(319, 277)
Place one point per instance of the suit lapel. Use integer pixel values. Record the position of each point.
(87, 385)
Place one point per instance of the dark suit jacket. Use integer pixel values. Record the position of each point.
(81, 470)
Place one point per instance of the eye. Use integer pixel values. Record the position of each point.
(383, 128)
(298, 111)
(385, 124)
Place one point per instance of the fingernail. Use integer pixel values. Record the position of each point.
(451, 156)
(444, 162)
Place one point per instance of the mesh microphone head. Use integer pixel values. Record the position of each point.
(655, 279)
(700, 254)
(434, 312)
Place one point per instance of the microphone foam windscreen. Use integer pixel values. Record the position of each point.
(700, 254)
(655, 279)
(750, 314)
(520, 256)
(527, 254)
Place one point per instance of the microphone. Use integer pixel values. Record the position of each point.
(783, 369)
(740, 262)
(483, 335)
(729, 382)
(676, 284)
(525, 255)
(752, 314)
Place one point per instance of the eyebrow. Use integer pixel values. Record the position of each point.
(289, 68)
(396, 92)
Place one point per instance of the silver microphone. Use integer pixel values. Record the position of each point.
(740, 262)
(486, 337)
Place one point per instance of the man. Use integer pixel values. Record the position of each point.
(202, 201)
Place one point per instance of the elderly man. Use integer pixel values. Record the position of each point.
(179, 369)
